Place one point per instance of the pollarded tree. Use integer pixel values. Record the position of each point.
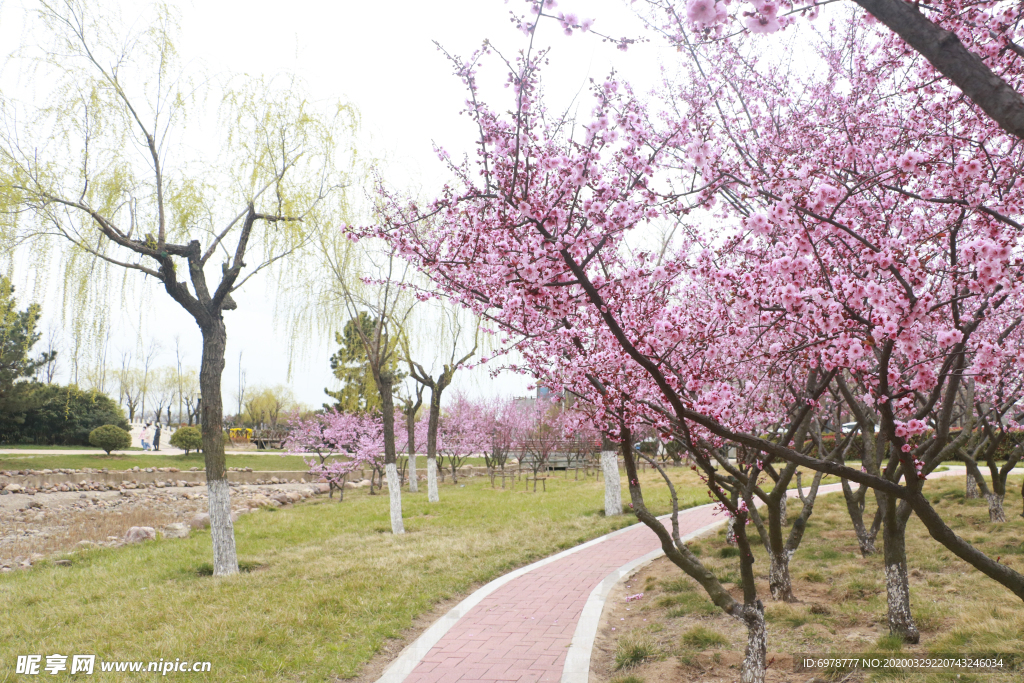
(100, 168)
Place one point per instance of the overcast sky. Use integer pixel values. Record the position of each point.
(380, 57)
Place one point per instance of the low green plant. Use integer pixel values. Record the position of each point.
(634, 649)
(187, 439)
(110, 438)
(627, 679)
(701, 638)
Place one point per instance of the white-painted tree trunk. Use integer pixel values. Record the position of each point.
(395, 497)
(612, 483)
(432, 480)
(901, 620)
(779, 581)
(995, 508)
(414, 484)
(225, 559)
(972, 487)
(730, 531)
(755, 663)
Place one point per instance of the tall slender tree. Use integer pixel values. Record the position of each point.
(99, 165)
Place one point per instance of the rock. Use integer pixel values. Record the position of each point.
(62, 563)
(176, 530)
(281, 498)
(138, 534)
(201, 520)
(324, 488)
(84, 544)
(35, 557)
(351, 485)
(294, 496)
(14, 488)
(234, 516)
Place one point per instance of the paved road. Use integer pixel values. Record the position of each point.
(538, 623)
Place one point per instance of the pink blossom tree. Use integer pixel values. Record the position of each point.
(852, 250)
(464, 430)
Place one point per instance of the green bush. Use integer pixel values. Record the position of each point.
(110, 438)
(187, 439)
(60, 415)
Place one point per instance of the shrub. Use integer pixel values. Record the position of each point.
(63, 415)
(187, 439)
(110, 438)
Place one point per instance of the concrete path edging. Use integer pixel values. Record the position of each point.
(577, 660)
(415, 651)
(576, 665)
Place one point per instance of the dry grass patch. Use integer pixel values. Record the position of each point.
(327, 592)
(842, 606)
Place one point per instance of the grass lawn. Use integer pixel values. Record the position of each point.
(36, 447)
(117, 461)
(676, 634)
(329, 583)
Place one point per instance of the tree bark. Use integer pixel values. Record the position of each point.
(433, 419)
(432, 496)
(225, 558)
(971, 491)
(865, 539)
(995, 508)
(755, 664)
(387, 403)
(897, 584)
(953, 60)
(612, 483)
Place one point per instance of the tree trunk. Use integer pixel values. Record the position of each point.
(395, 498)
(972, 486)
(384, 386)
(755, 664)
(995, 508)
(612, 483)
(865, 538)
(410, 428)
(433, 418)
(897, 585)
(225, 559)
(779, 581)
(432, 479)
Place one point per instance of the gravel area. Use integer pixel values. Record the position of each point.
(33, 526)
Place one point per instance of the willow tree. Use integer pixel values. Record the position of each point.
(113, 165)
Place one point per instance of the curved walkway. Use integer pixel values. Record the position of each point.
(538, 623)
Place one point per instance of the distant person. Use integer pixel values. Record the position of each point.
(156, 437)
(144, 437)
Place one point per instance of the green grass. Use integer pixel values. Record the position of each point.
(701, 638)
(37, 447)
(260, 461)
(328, 584)
(634, 649)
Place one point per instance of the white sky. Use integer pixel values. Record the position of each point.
(380, 57)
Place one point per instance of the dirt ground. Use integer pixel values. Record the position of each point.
(33, 526)
(679, 636)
